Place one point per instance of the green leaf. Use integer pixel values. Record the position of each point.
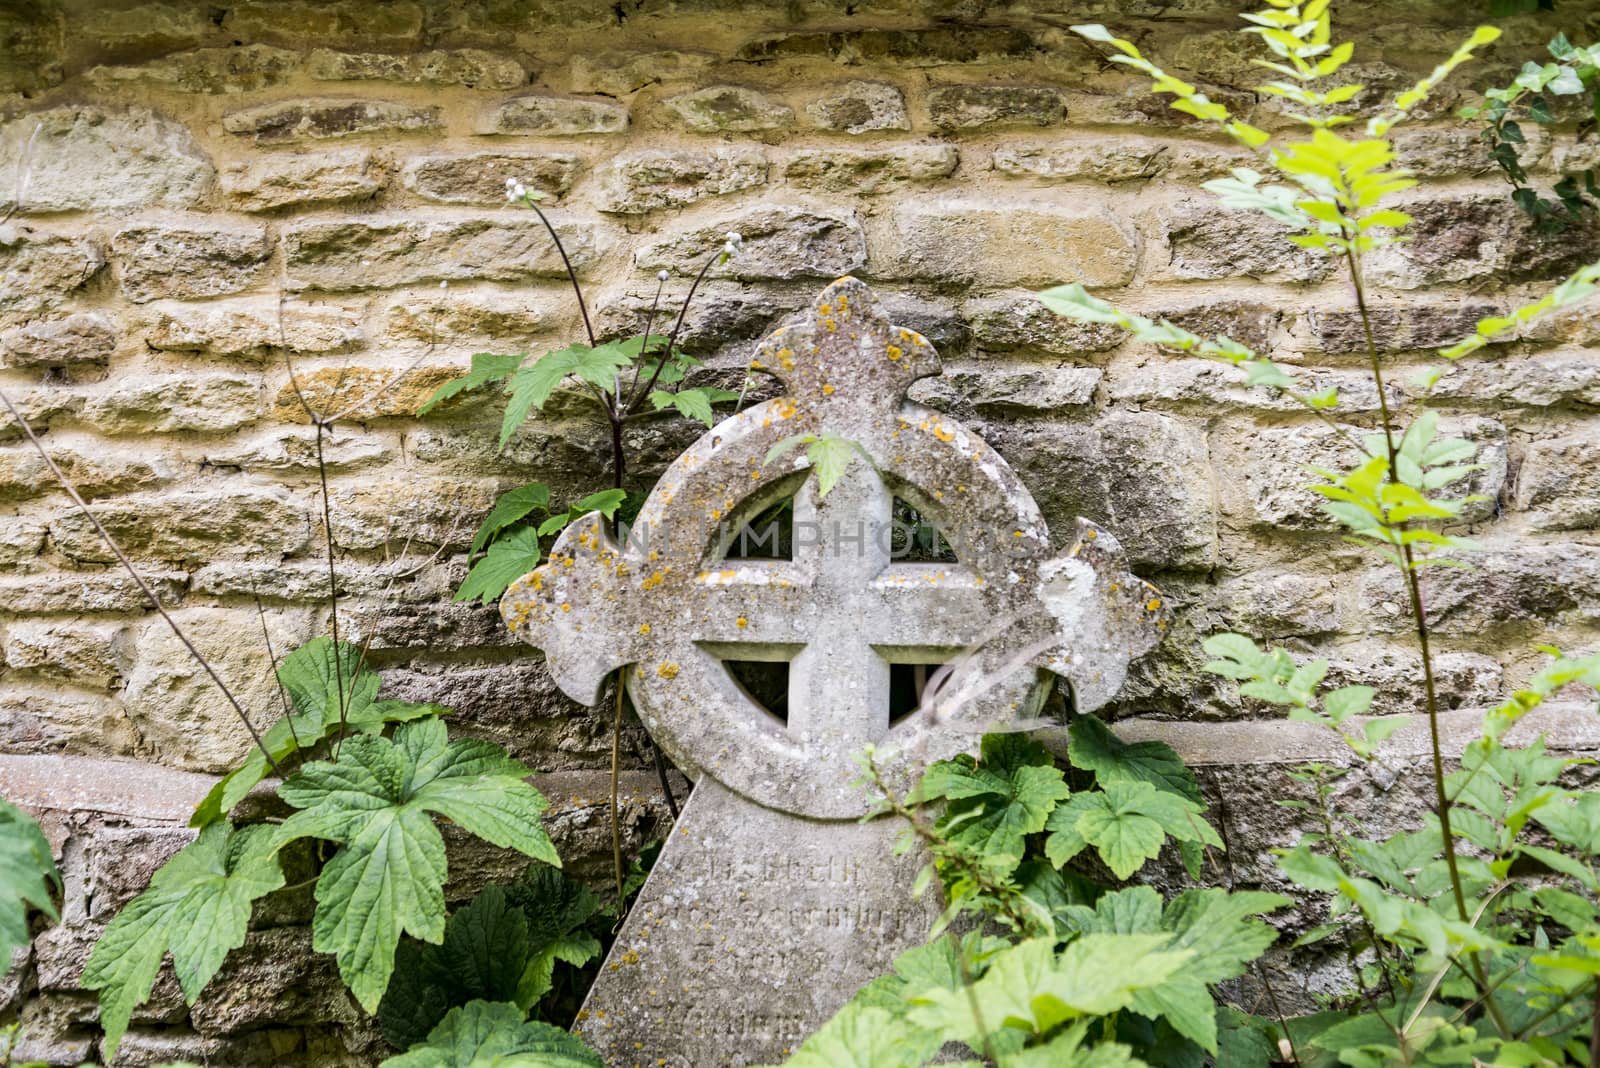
(197, 908)
(322, 684)
(486, 368)
(557, 909)
(606, 502)
(27, 872)
(995, 802)
(508, 509)
(531, 387)
(1347, 701)
(830, 456)
(508, 559)
(485, 1034)
(1123, 836)
(694, 403)
(1095, 748)
(866, 1036)
(375, 801)
(482, 957)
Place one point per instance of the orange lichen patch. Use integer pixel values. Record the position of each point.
(644, 628)
(786, 358)
(741, 622)
(756, 474)
(1153, 605)
(566, 561)
(785, 408)
(827, 389)
(656, 578)
(668, 670)
(566, 606)
(894, 352)
(727, 573)
(757, 365)
(1091, 534)
(825, 309)
(942, 434)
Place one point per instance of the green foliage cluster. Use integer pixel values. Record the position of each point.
(1531, 97)
(28, 879)
(1054, 967)
(372, 799)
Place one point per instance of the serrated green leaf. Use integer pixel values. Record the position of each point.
(485, 1034)
(486, 369)
(197, 908)
(508, 509)
(376, 801)
(866, 1036)
(27, 873)
(508, 559)
(531, 387)
(1093, 747)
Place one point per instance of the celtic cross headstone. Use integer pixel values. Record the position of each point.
(770, 904)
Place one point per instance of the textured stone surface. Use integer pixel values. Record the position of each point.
(929, 47)
(94, 655)
(869, 171)
(554, 115)
(84, 337)
(189, 525)
(645, 181)
(38, 267)
(622, 73)
(166, 403)
(471, 67)
(253, 331)
(1227, 244)
(1461, 239)
(190, 261)
(966, 107)
(1018, 244)
(730, 109)
(480, 178)
(323, 118)
(23, 472)
(779, 243)
(94, 158)
(1004, 323)
(205, 70)
(857, 107)
(278, 181)
(1559, 482)
(381, 252)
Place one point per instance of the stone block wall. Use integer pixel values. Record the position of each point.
(201, 198)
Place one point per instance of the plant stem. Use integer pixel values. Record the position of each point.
(138, 580)
(672, 339)
(572, 275)
(1420, 620)
(333, 590)
(1594, 1028)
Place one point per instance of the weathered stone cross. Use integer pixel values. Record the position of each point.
(760, 919)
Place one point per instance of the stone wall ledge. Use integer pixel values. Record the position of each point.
(154, 794)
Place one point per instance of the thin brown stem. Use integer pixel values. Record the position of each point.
(572, 274)
(672, 339)
(333, 592)
(138, 580)
(272, 662)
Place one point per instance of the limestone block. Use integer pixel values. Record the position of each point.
(1540, 380)
(554, 116)
(1025, 244)
(1272, 604)
(869, 171)
(211, 402)
(183, 718)
(1461, 679)
(193, 524)
(41, 407)
(1459, 239)
(380, 252)
(322, 118)
(622, 73)
(509, 315)
(1396, 327)
(644, 181)
(85, 158)
(254, 331)
(1157, 380)
(780, 243)
(93, 655)
(1017, 390)
(1206, 242)
(1009, 322)
(122, 860)
(211, 71)
(49, 719)
(969, 107)
(80, 338)
(39, 267)
(358, 392)
(274, 979)
(94, 472)
(32, 58)
(292, 22)
(191, 261)
(284, 180)
(431, 512)
(344, 449)
(859, 107)
(480, 178)
(99, 592)
(1559, 481)
(306, 581)
(729, 109)
(930, 47)
(469, 67)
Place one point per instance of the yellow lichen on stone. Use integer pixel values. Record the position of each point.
(668, 670)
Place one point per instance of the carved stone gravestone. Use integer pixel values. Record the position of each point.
(771, 905)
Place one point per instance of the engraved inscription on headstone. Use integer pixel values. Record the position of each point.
(770, 906)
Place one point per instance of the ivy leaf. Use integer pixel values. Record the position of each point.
(489, 1034)
(321, 683)
(27, 871)
(1095, 748)
(487, 368)
(508, 509)
(531, 387)
(197, 907)
(375, 801)
(508, 559)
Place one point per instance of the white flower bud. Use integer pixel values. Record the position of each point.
(444, 285)
(729, 249)
(734, 238)
(662, 275)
